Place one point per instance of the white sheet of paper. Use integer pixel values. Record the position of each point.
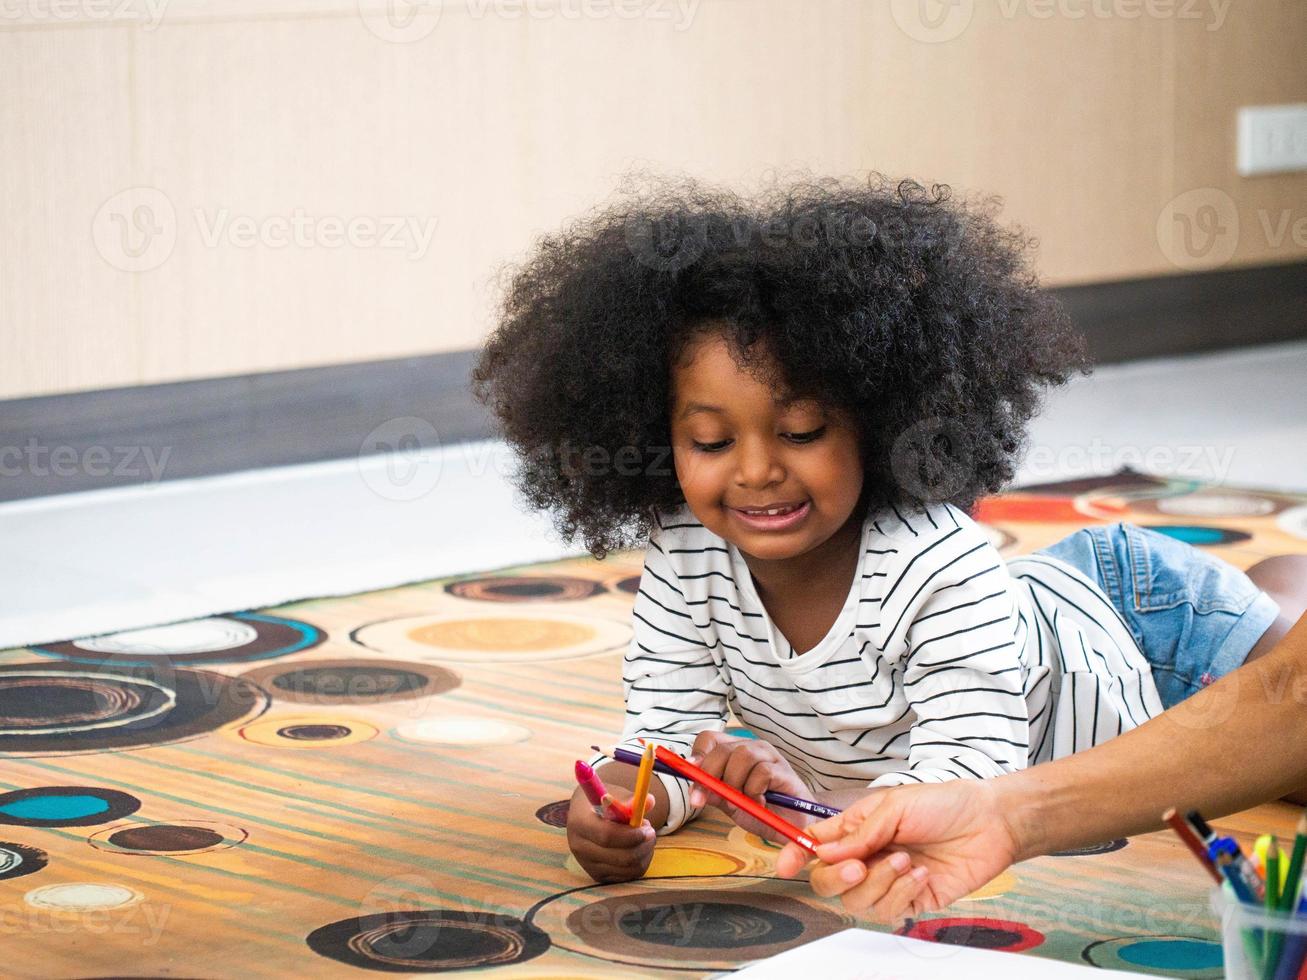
(859, 954)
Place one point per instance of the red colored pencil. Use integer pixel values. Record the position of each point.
(1186, 834)
(734, 796)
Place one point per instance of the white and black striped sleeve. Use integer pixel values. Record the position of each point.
(960, 662)
(673, 679)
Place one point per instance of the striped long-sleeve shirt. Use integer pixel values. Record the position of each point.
(945, 661)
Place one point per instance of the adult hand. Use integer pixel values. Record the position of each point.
(906, 850)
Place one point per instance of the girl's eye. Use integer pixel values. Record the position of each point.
(802, 438)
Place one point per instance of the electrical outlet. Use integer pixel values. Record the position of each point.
(1272, 139)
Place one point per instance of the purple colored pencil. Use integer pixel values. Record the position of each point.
(771, 796)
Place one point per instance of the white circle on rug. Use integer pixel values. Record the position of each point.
(1215, 505)
(1294, 521)
(495, 636)
(465, 730)
(82, 896)
(196, 636)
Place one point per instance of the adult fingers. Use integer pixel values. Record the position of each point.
(898, 900)
(861, 835)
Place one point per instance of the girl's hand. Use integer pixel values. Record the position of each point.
(906, 850)
(608, 851)
(753, 767)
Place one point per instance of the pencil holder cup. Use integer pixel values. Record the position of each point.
(1260, 945)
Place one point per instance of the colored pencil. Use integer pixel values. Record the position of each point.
(1293, 880)
(642, 777)
(1191, 841)
(736, 798)
(784, 800)
(615, 810)
(1274, 937)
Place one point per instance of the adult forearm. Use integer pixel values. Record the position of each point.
(1235, 744)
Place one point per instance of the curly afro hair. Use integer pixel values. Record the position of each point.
(910, 312)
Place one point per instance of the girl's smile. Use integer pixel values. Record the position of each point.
(741, 451)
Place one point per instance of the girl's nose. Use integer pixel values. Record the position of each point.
(758, 466)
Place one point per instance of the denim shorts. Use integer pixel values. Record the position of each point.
(1194, 616)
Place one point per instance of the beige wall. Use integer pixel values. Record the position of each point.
(1104, 132)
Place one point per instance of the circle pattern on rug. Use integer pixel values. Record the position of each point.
(995, 888)
(1211, 504)
(1294, 521)
(431, 940)
(17, 860)
(82, 896)
(39, 703)
(977, 933)
(630, 584)
(334, 682)
(1107, 847)
(709, 923)
(1200, 535)
(1176, 956)
(525, 588)
(466, 731)
(168, 839)
(65, 806)
(307, 731)
(495, 637)
(1030, 508)
(554, 814)
(217, 639)
(51, 708)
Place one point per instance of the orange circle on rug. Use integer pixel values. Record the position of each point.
(676, 862)
(307, 731)
(510, 635)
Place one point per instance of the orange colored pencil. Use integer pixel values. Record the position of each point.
(735, 797)
(642, 777)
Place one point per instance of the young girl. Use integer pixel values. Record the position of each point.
(793, 401)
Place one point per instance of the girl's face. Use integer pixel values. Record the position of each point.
(737, 449)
